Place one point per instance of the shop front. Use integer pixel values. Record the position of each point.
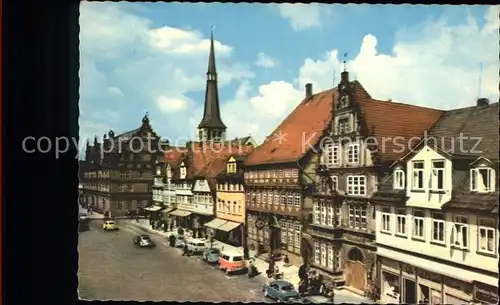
(182, 218)
(405, 283)
(485, 294)
(226, 231)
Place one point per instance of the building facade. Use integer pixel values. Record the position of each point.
(437, 231)
(351, 161)
(118, 173)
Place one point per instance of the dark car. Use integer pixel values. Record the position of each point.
(144, 241)
(281, 290)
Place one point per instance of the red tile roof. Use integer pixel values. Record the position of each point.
(310, 119)
(390, 120)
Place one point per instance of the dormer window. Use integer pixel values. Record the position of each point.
(169, 172)
(344, 126)
(481, 180)
(399, 179)
(183, 172)
(437, 175)
(231, 167)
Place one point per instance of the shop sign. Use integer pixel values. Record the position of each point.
(408, 269)
(486, 294)
(429, 276)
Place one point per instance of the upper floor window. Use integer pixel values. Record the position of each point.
(231, 167)
(418, 175)
(183, 173)
(438, 175)
(357, 217)
(418, 224)
(481, 180)
(333, 154)
(356, 185)
(399, 179)
(353, 153)
(460, 233)
(438, 227)
(401, 222)
(335, 183)
(344, 126)
(386, 220)
(486, 235)
(288, 173)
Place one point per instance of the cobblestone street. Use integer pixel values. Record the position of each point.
(112, 268)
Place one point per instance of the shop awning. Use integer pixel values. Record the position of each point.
(167, 211)
(229, 226)
(180, 213)
(216, 223)
(153, 208)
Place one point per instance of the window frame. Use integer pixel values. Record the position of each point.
(399, 184)
(415, 170)
(385, 225)
(351, 186)
(414, 226)
(401, 222)
(476, 175)
(353, 153)
(463, 228)
(335, 182)
(439, 221)
(486, 229)
(435, 175)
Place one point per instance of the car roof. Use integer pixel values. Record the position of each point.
(281, 283)
(196, 240)
(144, 235)
(231, 253)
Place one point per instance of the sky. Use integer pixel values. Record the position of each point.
(152, 57)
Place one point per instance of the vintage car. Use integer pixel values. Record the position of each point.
(109, 225)
(280, 290)
(211, 255)
(196, 246)
(178, 240)
(144, 241)
(231, 262)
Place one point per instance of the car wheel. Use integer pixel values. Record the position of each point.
(265, 293)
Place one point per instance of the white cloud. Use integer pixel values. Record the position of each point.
(433, 64)
(301, 16)
(167, 104)
(115, 91)
(265, 61)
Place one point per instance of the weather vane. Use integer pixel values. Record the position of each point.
(345, 61)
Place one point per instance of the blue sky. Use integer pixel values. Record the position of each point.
(138, 57)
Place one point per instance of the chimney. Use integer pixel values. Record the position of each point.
(482, 102)
(344, 77)
(309, 91)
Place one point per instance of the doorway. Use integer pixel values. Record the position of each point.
(410, 297)
(355, 270)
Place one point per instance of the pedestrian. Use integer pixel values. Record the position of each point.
(286, 260)
(184, 250)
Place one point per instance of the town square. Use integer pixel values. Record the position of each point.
(366, 174)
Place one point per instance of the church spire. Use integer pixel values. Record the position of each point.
(211, 126)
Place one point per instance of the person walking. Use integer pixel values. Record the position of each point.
(185, 250)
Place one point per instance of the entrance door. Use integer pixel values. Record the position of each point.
(410, 297)
(355, 270)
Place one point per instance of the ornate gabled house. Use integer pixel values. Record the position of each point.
(437, 214)
(279, 177)
(360, 145)
(119, 174)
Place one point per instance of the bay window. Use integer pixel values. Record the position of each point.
(482, 180)
(438, 227)
(418, 175)
(386, 220)
(437, 181)
(399, 179)
(356, 185)
(460, 232)
(353, 153)
(357, 217)
(418, 224)
(401, 222)
(486, 235)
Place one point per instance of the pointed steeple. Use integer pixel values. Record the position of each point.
(211, 124)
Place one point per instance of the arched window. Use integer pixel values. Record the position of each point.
(355, 255)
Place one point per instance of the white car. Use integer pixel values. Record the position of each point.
(196, 245)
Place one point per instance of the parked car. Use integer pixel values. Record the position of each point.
(316, 299)
(231, 262)
(180, 241)
(281, 290)
(109, 225)
(144, 241)
(196, 246)
(211, 255)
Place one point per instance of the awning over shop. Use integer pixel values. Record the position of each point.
(229, 226)
(180, 213)
(153, 208)
(216, 223)
(167, 211)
